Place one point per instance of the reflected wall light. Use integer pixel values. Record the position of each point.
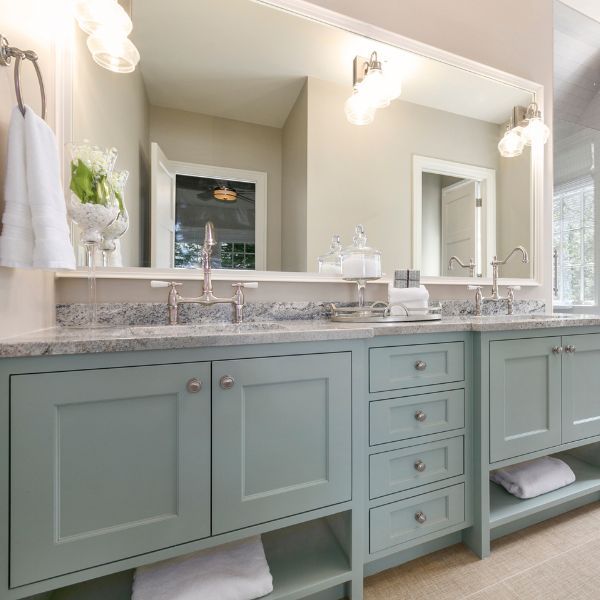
(372, 89)
(108, 26)
(531, 130)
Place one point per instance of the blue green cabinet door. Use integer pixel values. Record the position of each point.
(525, 396)
(281, 437)
(580, 385)
(106, 464)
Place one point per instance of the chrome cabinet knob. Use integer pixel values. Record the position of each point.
(226, 382)
(557, 349)
(420, 416)
(570, 349)
(420, 365)
(194, 385)
(420, 466)
(420, 517)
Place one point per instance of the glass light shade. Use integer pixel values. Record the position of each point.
(512, 143)
(375, 88)
(358, 110)
(113, 51)
(536, 131)
(95, 14)
(393, 78)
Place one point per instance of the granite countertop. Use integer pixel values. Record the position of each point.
(71, 340)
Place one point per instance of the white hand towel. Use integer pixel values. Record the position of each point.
(235, 571)
(534, 477)
(52, 247)
(16, 241)
(414, 298)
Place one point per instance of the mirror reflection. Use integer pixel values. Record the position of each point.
(255, 132)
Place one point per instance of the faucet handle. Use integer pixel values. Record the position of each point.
(163, 284)
(245, 284)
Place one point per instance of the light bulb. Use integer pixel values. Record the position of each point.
(536, 131)
(512, 143)
(113, 51)
(95, 14)
(358, 110)
(375, 88)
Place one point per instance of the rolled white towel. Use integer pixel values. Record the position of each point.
(534, 477)
(235, 571)
(414, 298)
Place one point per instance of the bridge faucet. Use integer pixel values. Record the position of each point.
(496, 263)
(470, 266)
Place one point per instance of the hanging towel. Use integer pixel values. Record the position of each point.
(414, 299)
(534, 477)
(35, 231)
(235, 571)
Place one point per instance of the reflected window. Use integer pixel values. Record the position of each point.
(574, 244)
(231, 206)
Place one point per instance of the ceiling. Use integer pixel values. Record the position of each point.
(242, 60)
(591, 8)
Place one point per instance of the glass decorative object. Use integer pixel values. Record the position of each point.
(331, 263)
(111, 235)
(93, 205)
(360, 263)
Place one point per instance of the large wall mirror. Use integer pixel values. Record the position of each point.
(236, 114)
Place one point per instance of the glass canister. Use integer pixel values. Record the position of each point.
(331, 263)
(359, 261)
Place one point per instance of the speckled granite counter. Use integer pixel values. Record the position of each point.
(65, 340)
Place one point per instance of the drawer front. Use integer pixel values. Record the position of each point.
(413, 416)
(400, 367)
(398, 470)
(399, 522)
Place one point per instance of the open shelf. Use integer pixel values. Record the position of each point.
(305, 559)
(505, 508)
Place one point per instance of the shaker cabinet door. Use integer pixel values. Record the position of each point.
(106, 464)
(581, 382)
(281, 437)
(525, 396)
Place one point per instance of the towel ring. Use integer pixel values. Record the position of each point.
(6, 54)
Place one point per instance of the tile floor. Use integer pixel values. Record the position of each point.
(558, 559)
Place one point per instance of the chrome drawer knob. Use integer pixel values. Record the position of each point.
(194, 386)
(420, 517)
(226, 382)
(420, 416)
(557, 349)
(420, 466)
(420, 365)
(570, 349)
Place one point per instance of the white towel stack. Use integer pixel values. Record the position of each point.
(35, 232)
(235, 571)
(534, 477)
(414, 299)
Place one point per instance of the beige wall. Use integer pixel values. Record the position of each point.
(431, 228)
(111, 110)
(27, 296)
(196, 138)
(294, 190)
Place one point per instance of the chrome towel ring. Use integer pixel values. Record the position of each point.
(7, 53)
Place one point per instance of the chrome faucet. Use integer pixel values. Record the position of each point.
(207, 298)
(495, 296)
(470, 266)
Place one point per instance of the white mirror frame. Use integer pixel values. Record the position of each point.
(64, 65)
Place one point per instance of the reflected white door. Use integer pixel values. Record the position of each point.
(162, 210)
(459, 223)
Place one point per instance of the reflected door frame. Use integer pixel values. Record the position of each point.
(485, 176)
(258, 178)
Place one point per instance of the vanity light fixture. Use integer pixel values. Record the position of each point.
(531, 130)
(535, 131)
(108, 26)
(512, 142)
(372, 89)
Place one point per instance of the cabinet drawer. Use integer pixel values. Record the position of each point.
(399, 367)
(398, 470)
(413, 416)
(399, 522)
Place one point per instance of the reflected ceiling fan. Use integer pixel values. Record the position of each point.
(224, 193)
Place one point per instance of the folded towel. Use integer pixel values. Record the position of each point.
(235, 571)
(413, 298)
(534, 477)
(35, 231)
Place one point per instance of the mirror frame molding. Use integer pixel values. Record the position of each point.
(63, 97)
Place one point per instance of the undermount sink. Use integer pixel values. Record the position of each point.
(206, 328)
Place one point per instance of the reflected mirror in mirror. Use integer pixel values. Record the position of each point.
(255, 135)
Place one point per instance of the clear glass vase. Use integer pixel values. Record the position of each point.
(111, 235)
